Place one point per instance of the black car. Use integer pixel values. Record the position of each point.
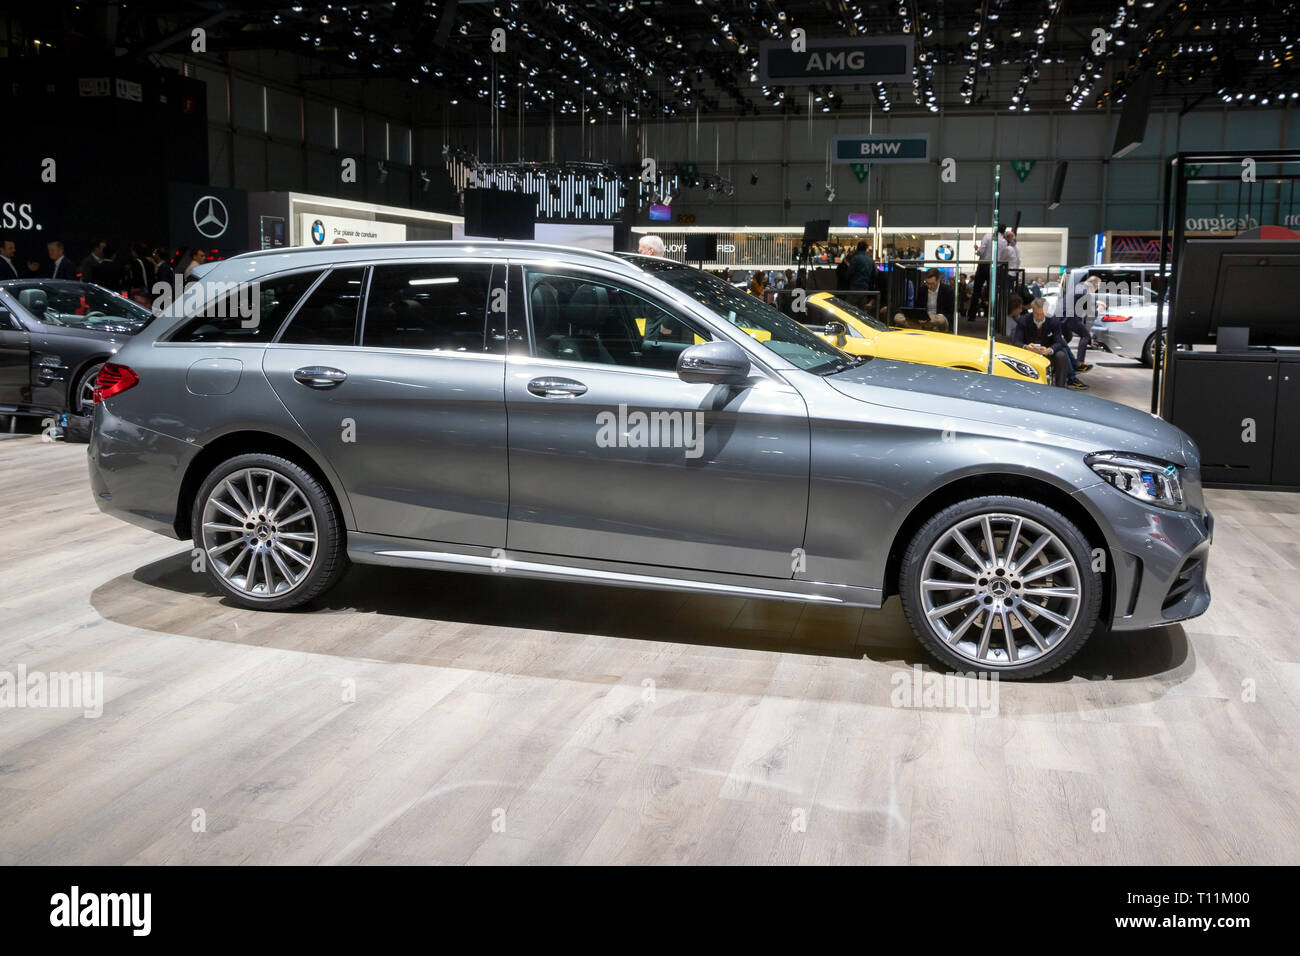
(54, 337)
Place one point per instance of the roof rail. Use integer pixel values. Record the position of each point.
(505, 245)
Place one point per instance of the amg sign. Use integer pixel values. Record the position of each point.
(855, 60)
(882, 148)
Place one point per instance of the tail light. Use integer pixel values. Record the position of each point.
(1116, 318)
(112, 380)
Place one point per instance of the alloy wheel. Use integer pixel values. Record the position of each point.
(259, 532)
(86, 394)
(1000, 589)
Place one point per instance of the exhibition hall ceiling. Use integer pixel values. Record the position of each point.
(644, 59)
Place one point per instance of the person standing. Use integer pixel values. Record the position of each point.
(7, 252)
(106, 272)
(94, 258)
(1078, 318)
(983, 253)
(651, 246)
(862, 268)
(60, 265)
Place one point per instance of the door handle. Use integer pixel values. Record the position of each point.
(556, 387)
(319, 376)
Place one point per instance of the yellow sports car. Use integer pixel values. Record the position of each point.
(849, 328)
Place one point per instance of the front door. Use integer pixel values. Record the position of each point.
(15, 360)
(615, 458)
(411, 416)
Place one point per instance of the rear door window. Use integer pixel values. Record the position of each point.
(430, 306)
(329, 314)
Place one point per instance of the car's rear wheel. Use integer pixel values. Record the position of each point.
(270, 532)
(1001, 585)
(1150, 354)
(81, 401)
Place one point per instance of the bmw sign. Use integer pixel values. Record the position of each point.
(318, 232)
(944, 252)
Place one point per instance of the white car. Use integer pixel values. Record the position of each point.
(1126, 330)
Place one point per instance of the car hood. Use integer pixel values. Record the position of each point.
(1045, 415)
(919, 345)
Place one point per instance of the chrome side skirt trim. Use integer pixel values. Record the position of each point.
(373, 549)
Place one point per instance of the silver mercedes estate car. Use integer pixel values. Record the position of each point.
(573, 415)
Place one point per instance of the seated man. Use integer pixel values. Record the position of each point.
(937, 301)
(1041, 334)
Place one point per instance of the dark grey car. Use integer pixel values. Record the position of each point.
(55, 334)
(572, 415)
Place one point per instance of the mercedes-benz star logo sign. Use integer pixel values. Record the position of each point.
(318, 232)
(210, 217)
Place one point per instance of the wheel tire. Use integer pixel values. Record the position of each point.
(78, 403)
(265, 534)
(978, 645)
(1148, 350)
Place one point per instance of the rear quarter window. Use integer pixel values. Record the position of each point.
(246, 311)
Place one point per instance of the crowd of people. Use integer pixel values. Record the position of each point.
(130, 269)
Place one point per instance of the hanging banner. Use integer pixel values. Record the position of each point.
(860, 171)
(881, 148)
(851, 60)
(1023, 168)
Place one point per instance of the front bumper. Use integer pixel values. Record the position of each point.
(1160, 559)
(136, 473)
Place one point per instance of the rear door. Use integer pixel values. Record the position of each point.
(393, 372)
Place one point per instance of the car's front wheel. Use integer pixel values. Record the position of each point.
(269, 531)
(1001, 585)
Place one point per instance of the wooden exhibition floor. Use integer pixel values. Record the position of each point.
(501, 721)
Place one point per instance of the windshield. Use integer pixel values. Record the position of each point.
(79, 305)
(862, 316)
(788, 338)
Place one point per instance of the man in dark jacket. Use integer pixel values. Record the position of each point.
(862, 269)
(61, 266)
(1039, 333)
(937, 299)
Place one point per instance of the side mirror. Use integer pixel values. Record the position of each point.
(717, 363)
(836, 328)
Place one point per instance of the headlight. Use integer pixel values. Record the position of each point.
(1023, 368)
(1146, 479)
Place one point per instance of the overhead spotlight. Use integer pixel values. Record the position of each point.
(424, 180)
(753, 178)
(383, 172)
(830, 193)
(807, 186)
